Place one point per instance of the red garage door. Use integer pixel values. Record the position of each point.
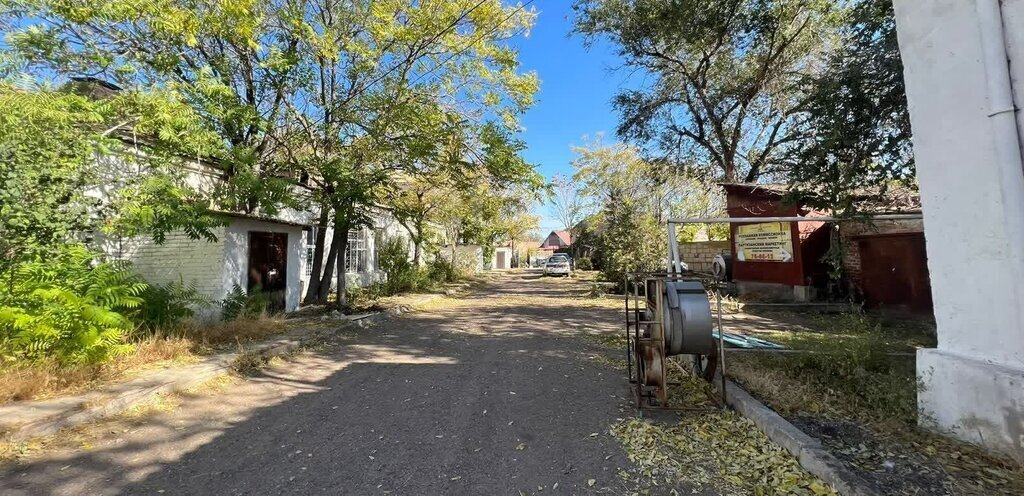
(894, 272)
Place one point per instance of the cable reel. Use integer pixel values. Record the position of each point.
(677, 321)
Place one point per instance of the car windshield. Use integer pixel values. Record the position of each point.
(557, 259)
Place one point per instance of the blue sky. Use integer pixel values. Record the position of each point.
(577, 86)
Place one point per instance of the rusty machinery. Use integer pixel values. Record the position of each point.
(670, 316)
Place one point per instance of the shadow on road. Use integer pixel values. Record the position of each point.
(492, 395)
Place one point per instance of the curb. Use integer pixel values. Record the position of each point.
(809, 451)
(23, 420)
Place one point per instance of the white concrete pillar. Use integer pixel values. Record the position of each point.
(973, 198)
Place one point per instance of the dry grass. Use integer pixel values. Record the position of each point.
(233, 332)
(48, 379)
(37, 381)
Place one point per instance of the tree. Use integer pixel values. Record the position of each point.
(608, 173)
(723, 94)
(857, 113)
(566, 203)
(233, 62)
(414, 206)
(398, 90)
(631, 199)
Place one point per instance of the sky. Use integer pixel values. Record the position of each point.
(576, 89)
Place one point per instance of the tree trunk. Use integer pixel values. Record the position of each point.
(417, 250)
(332, 260)
(313, 291)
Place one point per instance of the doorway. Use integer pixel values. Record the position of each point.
(268, 267)
(894, 272)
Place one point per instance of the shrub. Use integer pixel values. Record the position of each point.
(584, 263)
(166, 306)
(240, 304)
(67, 307)
(442, 270)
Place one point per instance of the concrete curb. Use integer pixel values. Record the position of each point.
(23, 420)
(809, 451)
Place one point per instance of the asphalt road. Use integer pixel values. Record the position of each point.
(494, 393)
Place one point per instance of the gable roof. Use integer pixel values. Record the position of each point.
(563, 237)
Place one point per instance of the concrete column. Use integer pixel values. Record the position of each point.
(974, 219)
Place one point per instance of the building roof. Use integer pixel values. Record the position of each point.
(562, 235)
(261, 218)
(887, 199)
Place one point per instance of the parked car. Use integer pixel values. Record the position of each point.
(558, 264)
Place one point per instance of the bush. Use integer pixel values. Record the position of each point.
(584, 263)
(67, 307)
(240, 304)
(393, 259)
(166, 306)
(442, 270)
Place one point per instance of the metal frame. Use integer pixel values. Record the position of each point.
(633, 281)
(675, 272)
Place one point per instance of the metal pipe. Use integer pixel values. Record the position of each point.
(744, 220)
(721, 344)
(1005, 133)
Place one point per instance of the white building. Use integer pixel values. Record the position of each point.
(964, 69)
(269, 254)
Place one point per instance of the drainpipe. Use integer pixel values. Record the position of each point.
(1005, 135)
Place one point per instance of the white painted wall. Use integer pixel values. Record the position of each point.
(508, 258)
(467, 257)
(179, 258)
(214, 267)
(974, 380)
(382, 222)
(236, 256)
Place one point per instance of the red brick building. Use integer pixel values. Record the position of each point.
(885, 262)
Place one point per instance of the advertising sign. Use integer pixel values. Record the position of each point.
(766, 242)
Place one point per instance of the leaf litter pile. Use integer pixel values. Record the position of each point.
(717, 451)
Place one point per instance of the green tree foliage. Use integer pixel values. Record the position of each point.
(856, 110)
(67, 307)
(63, 162)
(632, 241)
(46, 163)
(723, 92)
(232, 61)
(630, 200)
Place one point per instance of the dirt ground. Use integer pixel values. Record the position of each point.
(500, 392)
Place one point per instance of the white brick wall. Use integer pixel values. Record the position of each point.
(179, 258)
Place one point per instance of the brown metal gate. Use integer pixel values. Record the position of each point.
(268, 266)
(894, 272)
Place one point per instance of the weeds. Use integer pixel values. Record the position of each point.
(50, 378)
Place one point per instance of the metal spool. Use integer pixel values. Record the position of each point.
(721, 267)
(678, 322)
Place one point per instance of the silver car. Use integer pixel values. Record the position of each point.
(558, 265)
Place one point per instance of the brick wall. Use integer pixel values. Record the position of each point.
(699, 255)
(179, 258)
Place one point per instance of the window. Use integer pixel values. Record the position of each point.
(309, 261)
(355, 253)
(310, 246)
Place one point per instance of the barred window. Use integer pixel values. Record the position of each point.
(355, 253)
(309, 261)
